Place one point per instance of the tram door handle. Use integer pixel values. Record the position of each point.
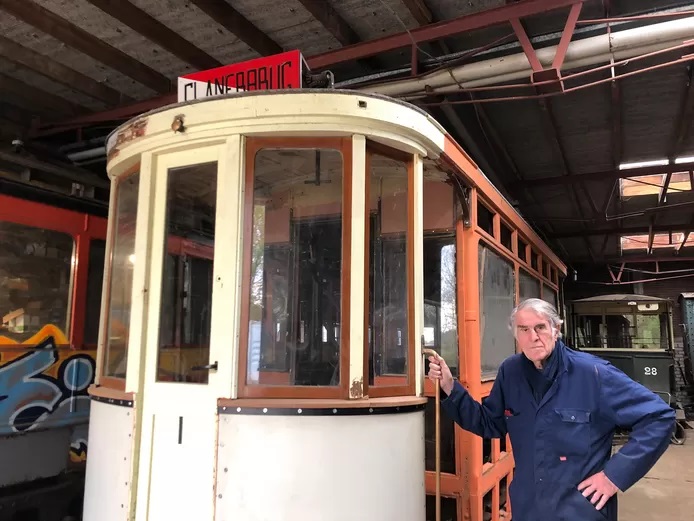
(209, 367)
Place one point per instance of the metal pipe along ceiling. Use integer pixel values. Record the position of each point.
(589, 51)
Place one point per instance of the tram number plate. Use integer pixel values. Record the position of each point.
(650, 371)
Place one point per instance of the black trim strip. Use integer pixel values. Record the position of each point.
(113, 401)
(324, 411)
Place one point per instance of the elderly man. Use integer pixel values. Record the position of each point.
(561, 408)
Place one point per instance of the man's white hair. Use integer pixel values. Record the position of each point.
(541, 307)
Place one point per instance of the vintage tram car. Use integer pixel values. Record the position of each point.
(292, 253)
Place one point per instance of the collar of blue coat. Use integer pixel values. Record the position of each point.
(541, 380)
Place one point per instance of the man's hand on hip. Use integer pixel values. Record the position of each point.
(600, 487)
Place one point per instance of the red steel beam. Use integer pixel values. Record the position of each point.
(426, 33)
(439, 31)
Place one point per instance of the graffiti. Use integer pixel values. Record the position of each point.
(43, 385)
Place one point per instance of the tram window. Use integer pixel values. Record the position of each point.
(447, 439)
(528, 286)
(295, 307)
(549, 295)
(186, 298)
(121, 276)
(497, 299)
(35, 280)
(449, 508)
(533, 259)
(440, 299)
(388, 309)
(651, 331)
(506, 237)
(522, 245)
(485, 218)
(95, 276)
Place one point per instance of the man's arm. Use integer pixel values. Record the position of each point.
(485, 419)
(630, 404)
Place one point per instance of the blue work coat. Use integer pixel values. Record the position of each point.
(567, 436)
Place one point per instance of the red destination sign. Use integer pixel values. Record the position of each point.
(276, 72)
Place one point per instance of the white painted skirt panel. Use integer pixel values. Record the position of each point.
(293, 468)
(107, 487)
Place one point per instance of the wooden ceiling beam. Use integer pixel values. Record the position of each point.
(79, 39)
(331, 20)
(56, 71)
(152, 29)
(234, 22)
(34, 97)
(419, 11)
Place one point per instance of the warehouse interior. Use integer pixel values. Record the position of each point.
(578, 111)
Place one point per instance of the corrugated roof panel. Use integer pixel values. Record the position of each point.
(584, 126)
(651, 104)
(520, 127)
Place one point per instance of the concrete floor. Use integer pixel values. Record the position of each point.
(667, 491)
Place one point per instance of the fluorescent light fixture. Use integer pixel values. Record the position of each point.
(640, 164)
(681, 160)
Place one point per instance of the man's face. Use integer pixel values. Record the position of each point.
(535, 335)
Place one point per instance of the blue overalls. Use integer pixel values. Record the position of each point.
(566, 436)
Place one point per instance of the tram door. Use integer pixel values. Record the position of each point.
(186, 372)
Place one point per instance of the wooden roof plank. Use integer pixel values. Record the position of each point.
(237, 24)
(77, 38)
(151, 28)
(331, 20)
(36, 62)
(33, 97)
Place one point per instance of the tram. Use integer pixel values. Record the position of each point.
(292, 254)
(51, 272)
(635, 333)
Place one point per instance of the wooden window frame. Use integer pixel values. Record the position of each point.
(112, 382)
(409, 385)
(253, 145)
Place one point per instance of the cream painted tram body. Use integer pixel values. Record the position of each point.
(275, 263)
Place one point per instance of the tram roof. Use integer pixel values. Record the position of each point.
(85, 69)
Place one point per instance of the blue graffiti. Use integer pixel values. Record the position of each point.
(29, 398)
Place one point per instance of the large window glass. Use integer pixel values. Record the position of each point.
(388, 289)
(295, 292)
(549, 295)
(121, 276)
(186, 301)
(497, 297)
(35, 280)
(440, 299)
(528, 286)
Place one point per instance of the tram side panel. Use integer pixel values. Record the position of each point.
(51, 266)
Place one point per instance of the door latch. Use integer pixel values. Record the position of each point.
(209, 367)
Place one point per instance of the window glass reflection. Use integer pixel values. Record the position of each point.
(186, 300)
(35, 281)
(121, 276)
(388, 303)
(295, 302)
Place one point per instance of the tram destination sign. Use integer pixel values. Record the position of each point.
(276, 72)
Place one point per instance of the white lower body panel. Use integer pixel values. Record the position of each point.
(306, 468)
(109, 463)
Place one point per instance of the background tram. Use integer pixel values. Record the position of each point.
(286, 273)
(51, 271)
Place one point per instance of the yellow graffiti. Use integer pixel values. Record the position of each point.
(62, 344)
